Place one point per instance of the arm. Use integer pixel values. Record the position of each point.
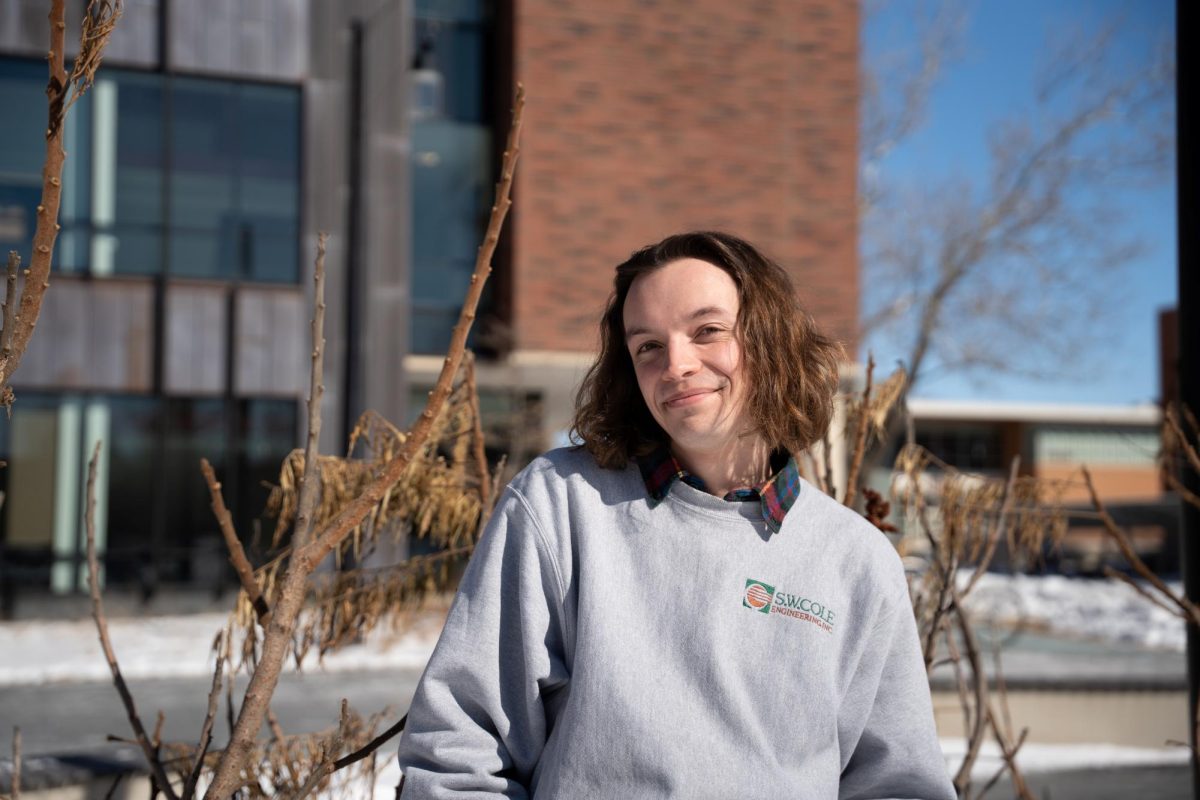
(478, 723)
(886, 721)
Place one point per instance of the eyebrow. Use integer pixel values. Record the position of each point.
(700, 312)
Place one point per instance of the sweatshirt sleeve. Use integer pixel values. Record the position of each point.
(478, 721)
(886, 723)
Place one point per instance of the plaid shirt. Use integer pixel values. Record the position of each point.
(777, 493)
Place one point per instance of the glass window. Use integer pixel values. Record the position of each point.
(269, 433)
(128, 200)
(235, 154)
(134, 481)
(230, 176)
(195, 429)
(451, 164)
(269, 192)
(22, 148)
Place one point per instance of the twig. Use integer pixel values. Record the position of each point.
(135, 721)
(371, 746)
(273, 722)
(1189, 452)
(1177, 486)
(237, 555)
(214, 697)
(112, 790)
(962, 779)
(1175, 611)
(960, 680)
(497, 475)
(993, 536)
(1004, 735)
(37, 276)
(945, 576)
(316, 389)
(10, 300)
(327, 765)
(860, 438)
(16, 768)
(1190, 611)
(305, 559)
(481, 464)
(1008, 766)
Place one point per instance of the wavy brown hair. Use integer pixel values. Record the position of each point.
(793, 366)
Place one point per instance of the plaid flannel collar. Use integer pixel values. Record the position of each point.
(777, 494)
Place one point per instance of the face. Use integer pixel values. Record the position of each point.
(680, 329)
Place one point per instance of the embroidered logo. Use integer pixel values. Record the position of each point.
(758, 596)
(762, 597)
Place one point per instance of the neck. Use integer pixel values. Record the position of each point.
(738, 464)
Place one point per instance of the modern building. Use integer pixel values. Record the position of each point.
(221, 136)
(1118, 444)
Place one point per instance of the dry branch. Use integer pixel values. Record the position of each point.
(326, 766)
(214, 697)
(992, 536)
(98, 24)
(1188, 609)
(306, 558)
(371, 746)
(1189, 452)
(237, 555)
(962, 779)
(10, 299)
(148, 749)
(316, 389)
(481, 464)
(860, 438)
(16, 768)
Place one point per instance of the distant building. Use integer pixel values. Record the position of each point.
(221, 136)
(1118, 444)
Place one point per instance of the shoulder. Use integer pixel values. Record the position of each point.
(863, 552)
(570, 472)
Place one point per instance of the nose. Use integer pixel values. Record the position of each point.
(682, 360)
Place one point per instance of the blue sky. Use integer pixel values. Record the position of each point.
(994, 76)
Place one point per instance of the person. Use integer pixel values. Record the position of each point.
(668, 609)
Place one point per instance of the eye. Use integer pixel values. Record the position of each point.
(645, 347)
(710, 331)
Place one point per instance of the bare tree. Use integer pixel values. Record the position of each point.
(1010, 270)
(22, 307)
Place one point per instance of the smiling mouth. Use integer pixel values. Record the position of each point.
(687, 398)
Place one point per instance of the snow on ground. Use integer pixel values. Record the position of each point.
(34, 652)
(1035, 758)
(177, 646)
(1032, 759)
(1102, 609)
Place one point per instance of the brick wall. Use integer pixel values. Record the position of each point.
(649, 117)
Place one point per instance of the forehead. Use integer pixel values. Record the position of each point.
(676, 291)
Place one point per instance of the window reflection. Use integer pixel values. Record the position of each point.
(154, 518)
(451, 164)
(228, 170)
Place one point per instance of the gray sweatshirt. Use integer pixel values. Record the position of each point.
(602, 646)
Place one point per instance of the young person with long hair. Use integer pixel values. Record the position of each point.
(669, 609)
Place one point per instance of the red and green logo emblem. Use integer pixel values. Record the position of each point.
(758, 596)
(763, 597)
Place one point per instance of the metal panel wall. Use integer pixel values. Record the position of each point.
(24, 29)
(247, 38)
(92, 335)
(196, 324)
(381, 244)
(270, 354)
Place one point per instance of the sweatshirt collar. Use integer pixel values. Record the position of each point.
(777, 494)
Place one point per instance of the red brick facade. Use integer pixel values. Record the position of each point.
(648, 117)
